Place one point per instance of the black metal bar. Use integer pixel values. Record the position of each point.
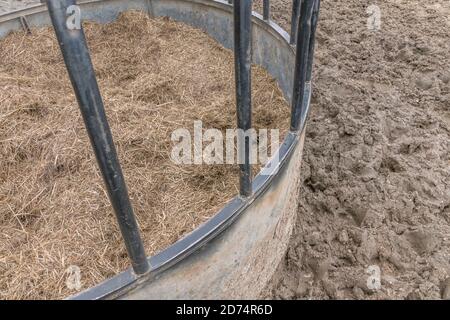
(81, 72)
(308, 85)
(312, 41)
(301, 63)
(294, 20)
(242, 57)
(266, 10)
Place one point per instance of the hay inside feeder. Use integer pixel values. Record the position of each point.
(155, 76)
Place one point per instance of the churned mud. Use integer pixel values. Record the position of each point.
(376, 172)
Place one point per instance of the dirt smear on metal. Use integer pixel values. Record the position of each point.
(376, 171)
(155, 76)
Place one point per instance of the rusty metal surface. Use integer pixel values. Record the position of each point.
(235, 253)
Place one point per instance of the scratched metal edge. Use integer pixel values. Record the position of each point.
(127, 280)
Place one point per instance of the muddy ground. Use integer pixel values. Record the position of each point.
(376, 182)
(376, 173)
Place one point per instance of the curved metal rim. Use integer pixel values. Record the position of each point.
(186, 246)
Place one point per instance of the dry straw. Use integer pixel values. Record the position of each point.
(155, 76)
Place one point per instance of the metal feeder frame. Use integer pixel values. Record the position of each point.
(236, 252)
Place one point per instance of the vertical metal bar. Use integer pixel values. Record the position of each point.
(266, 10)
(150, 11)
(81, 72)
(308, 85)
(242, 57)
(312, 41)
(301, 63)
(294, 20)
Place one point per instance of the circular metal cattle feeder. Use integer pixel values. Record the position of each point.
(236, 252)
